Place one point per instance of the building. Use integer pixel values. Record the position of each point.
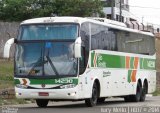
(126, 17)
(117, 5)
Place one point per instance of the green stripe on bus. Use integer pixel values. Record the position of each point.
(129, 75)
(54, 81)
(147, 63)
(116, 61)
(132, 62)
(92, 59)
(17, 81)
(110, 61)
(113, 61)
(41, 81)
(50, 81)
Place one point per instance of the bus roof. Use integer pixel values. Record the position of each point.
(80, 20)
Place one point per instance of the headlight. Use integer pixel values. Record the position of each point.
(67, 86)
(21, 86)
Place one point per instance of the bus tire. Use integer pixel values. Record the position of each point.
(137, 96)
(128, 98)
(42, 102)
(101, 100)
(144, 92)
(93, 100)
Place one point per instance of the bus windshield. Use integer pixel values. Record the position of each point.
(48, 32)
(45, 59)
(46, 50)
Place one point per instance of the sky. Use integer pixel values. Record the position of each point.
(147, 11)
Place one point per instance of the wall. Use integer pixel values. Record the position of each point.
(7, 30)
(157, 55)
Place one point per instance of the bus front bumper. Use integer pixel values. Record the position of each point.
(68, 94)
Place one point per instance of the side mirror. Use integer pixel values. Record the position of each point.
(77, 48)
(7, 47)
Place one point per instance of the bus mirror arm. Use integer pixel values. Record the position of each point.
(77, 48)
(7, 47)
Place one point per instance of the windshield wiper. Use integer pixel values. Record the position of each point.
(40, 63)
(48, 46)
(52, 65)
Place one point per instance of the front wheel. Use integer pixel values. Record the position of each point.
(42, 102)
(101, 100)
(93, 100)
(128, 98)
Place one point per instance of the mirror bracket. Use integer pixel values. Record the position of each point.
(7, 47)
(77, 48)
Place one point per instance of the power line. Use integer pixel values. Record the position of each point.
(145, 7)
(140, 6)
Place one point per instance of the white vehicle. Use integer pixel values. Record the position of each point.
(72, 58)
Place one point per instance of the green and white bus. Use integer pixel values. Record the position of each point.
(74, 59)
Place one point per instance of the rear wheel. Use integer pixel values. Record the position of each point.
(136, 98)
(42, 102)
(93, 100)
(144, 92)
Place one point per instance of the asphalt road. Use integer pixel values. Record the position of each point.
(112, 105)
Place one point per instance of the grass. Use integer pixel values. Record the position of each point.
(6, 74)
(7, 81)
(156, 93)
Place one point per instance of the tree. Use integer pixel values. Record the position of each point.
(80, 8)
(18, 10)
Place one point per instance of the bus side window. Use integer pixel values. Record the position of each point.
(82, 60)
(84, 33)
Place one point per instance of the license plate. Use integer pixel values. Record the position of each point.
(43, 94)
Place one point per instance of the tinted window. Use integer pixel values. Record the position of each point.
(85, 36)
(49, 32)
(103, 37)
(135, 43)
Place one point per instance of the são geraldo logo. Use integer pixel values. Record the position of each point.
(101, 63)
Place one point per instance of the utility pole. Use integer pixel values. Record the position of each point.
(120, 11)
(112, 9)
(142, 19)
